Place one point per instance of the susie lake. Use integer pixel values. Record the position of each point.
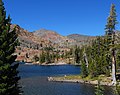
(34, 81)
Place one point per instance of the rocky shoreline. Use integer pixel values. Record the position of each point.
(50, 64)
(93, 82)
(59, 63)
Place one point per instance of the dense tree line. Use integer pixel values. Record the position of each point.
(49, 55)
(102, 56)
(98, 58)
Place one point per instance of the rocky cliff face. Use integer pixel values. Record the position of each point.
(32, 43)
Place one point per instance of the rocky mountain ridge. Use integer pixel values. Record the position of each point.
(52, 36)
(32, 43)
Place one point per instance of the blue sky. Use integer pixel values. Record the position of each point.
(87, 17)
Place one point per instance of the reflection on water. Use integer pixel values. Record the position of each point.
(34, 81)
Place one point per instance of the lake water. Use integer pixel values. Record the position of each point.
(34, 81)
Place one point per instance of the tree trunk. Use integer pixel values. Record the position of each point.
(113, 68)
(86, 60)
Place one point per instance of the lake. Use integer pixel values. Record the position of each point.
(34, 81)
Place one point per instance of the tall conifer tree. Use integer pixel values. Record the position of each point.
(8, 68)
(77, 55)
(110, 35)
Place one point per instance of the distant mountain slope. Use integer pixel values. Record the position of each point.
(42, 38)
(52, 36)
(81, 39)
(26, 38)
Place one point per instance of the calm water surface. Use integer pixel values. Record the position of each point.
(34, 81)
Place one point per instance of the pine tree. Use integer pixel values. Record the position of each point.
(118, 59)
(101, 58)
(117, 89)
(84, 70)
(77, 55)
(84, 62)
(47, 57)
(42, 57)
(110, 35)
(35, 58)
(96, 55)
(8, 68)
(99, 89)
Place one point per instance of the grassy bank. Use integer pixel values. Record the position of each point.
(78, 79)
